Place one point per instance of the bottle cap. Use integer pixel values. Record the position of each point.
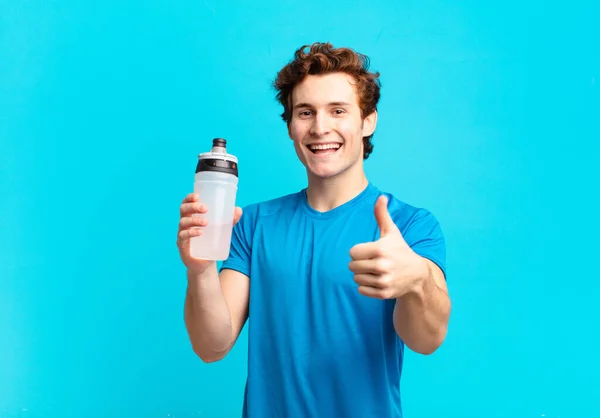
(217, 159)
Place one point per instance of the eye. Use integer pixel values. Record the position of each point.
(305, 113)
(339, 111)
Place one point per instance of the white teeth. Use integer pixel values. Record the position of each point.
(315, 147)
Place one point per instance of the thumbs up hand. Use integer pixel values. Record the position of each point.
(387, 268)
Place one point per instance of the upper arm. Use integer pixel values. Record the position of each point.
(236, 271)
(425, 237)
(438, 275)
(236, 291)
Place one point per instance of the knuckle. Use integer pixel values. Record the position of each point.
(384, 293)
(380, 265)
(182, 222)
(379, 251)
(385, 279)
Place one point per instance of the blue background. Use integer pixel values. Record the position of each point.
(490, 118)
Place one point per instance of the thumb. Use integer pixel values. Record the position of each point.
(237, 214)
(384, 220)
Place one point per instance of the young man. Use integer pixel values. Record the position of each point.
(335, 279)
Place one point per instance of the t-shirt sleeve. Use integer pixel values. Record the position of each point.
(240, 252)
(424, 235)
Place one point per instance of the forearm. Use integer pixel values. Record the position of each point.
(207, 317)
(421, 315)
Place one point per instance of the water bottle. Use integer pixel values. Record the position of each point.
(215, 182)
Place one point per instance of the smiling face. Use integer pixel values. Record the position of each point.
(327, 126)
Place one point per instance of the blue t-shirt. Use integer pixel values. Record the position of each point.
(317, 347)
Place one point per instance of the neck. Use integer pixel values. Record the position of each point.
(325, 194)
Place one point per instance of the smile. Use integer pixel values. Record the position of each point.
(322, 149)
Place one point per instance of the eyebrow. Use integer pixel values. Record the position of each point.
(301, 105)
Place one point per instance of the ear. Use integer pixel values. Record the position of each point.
(289, 129)
(369, 124)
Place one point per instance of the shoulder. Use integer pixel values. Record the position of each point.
(270, 207)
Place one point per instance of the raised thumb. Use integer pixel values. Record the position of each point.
(384, 220)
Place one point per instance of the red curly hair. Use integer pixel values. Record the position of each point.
(323, 58)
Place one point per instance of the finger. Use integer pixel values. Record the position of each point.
(191, 221)
(191, 208)
(186, 234)
(377, 266)
(237, 214)
(374, 292)
(361, 267)
(366, 251)
(367, 279)
(192, 197)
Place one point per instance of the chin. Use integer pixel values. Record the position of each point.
(326, 171)
(323, 174)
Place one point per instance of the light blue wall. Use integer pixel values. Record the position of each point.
(490, 117)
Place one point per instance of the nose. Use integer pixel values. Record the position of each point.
(321, 125)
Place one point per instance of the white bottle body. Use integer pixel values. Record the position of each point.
(217, 191)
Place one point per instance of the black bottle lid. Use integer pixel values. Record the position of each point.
(218, 159)
(219, 142)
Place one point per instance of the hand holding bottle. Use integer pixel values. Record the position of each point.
(192, 224)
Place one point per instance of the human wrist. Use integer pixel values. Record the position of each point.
(423, 279)
(195, 276)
